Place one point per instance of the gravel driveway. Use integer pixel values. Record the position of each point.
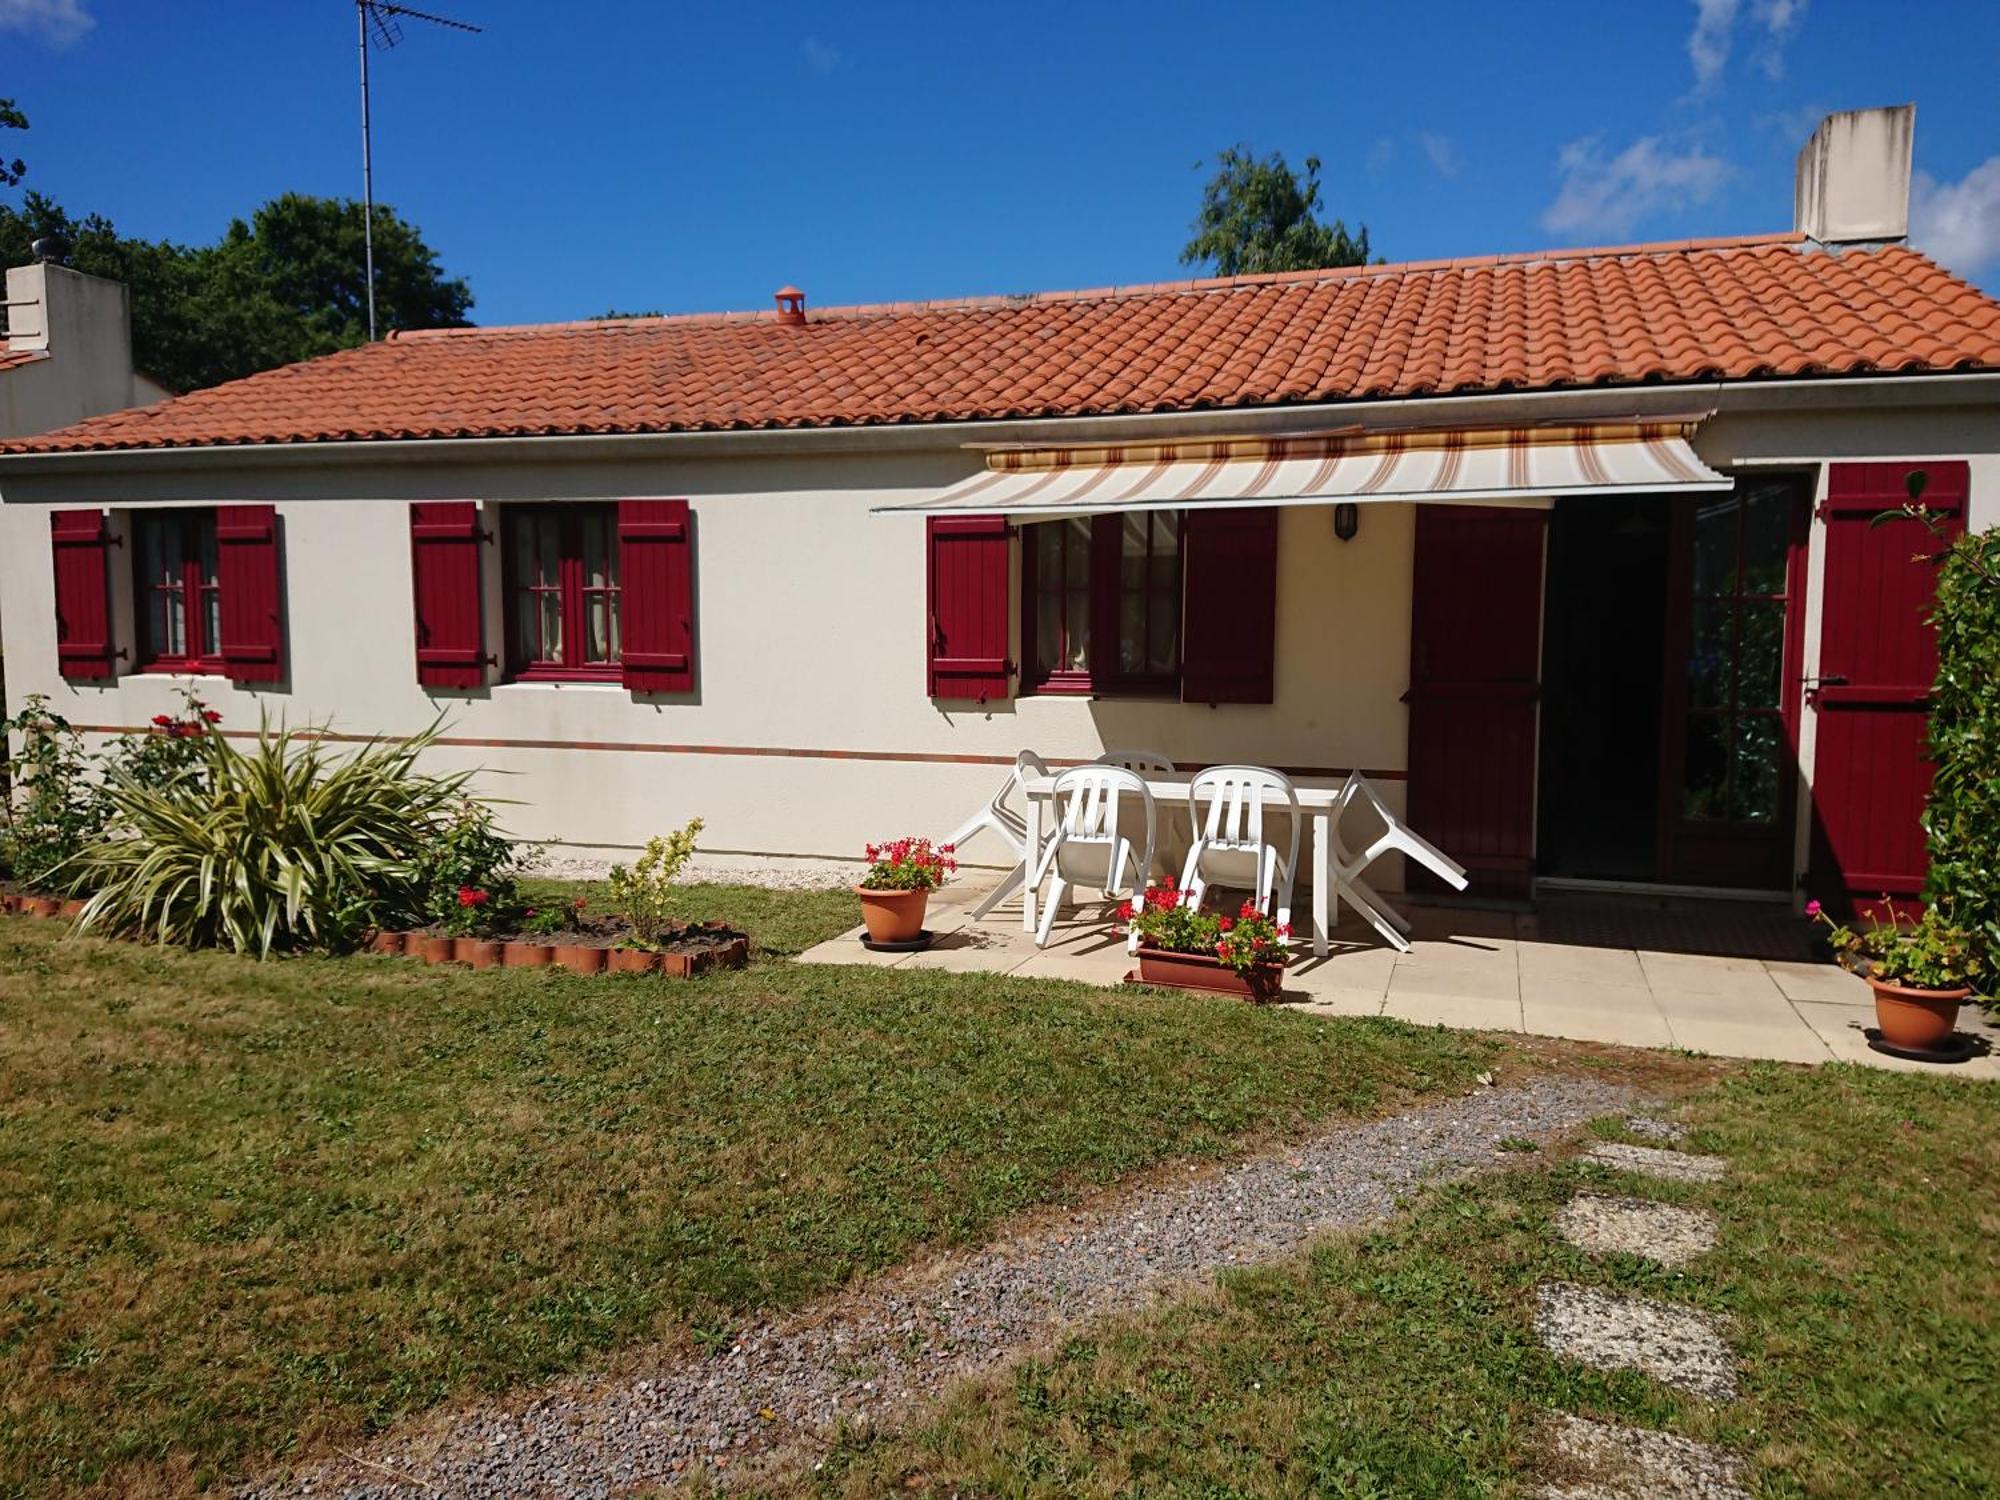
(902, 1337)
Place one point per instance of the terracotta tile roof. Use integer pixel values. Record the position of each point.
(9, 358)
(1692, 310)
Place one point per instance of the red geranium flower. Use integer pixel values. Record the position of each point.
(210, 716)
(163, 720)
(469, 896)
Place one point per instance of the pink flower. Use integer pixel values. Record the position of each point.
(1813, 908)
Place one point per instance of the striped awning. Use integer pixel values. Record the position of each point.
(1493, 465)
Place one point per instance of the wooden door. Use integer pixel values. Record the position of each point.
(1475, 685)
(1877, 662)
(1729, 762)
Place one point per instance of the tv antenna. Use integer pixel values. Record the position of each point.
(383, 21)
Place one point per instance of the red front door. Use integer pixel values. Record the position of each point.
(1877, 661)
(1475, 686)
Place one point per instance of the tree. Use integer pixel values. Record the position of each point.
(287, 285)
(611, 313)
(11, 172)
(1257, 215)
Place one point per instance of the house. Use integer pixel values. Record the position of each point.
(1570, 551)
(67, 353)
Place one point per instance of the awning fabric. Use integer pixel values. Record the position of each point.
(1492, 464)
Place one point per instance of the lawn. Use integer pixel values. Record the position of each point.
(253, 1210)
(1856, 1260)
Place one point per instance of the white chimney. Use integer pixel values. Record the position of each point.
(1854, 176)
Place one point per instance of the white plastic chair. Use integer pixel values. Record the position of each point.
(1145, 762)
(1347, 863)
(1008, 825)
(1089, 847)
(1232, 833)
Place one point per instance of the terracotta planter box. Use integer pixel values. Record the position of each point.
(526, 955)
(580, 959)
(632, 961)
(481, 953)
(9, 902)
(387, 942)
(1916, 1020)
(40, 906)
(893, 916)
(73, 908)
(432, 950)
(1201, 971)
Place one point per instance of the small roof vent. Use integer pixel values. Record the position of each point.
(791, 305)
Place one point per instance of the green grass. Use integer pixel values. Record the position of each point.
(1856, 1262)
(249, 1210)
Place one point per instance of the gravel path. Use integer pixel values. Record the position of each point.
(904, 1336)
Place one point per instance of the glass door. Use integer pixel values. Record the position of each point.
(1729, 772)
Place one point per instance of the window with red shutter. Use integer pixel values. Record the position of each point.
(1101, 604)
(445, 583)
(249, 613)
(966, 607)
(656, 595)
(83, 593)
(1231, 625)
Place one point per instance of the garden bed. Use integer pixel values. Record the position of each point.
(595, 945)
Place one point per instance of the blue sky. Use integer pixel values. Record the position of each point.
(689, 157)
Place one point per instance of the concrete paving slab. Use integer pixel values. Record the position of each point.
(1619, 1026)
(1707, 974)
(1601, 1225)
(1781, 1038)
(1652, 1161)
(1678, 1346)
(1575, 961)
(1472, 1013)
(1817, 984)
(1488, 982)
(1334, 1002)
(847, 949)
(1571, 993)
(1608, 1461)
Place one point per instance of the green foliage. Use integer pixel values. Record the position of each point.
(1932, 953)
(1242, 941)
(1962, 820)
(463, 878)
(11, 118)
(281, 847)
(1258, 215)
(287, 285)
(53, 808)
(645, 890)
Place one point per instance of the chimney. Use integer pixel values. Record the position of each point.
(791, 305)
(1853, 181)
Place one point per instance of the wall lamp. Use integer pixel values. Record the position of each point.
(1346, 520)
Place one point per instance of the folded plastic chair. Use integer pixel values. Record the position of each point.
(1230, 834)
(1393, 837)
(1007, 825)
(1089, 847)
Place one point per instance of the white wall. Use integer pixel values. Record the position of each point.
(809, 639)
(83, 324)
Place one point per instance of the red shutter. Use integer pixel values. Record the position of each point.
(246, 572)
(1229, 624)
(83, 593)
(1877, 664)
(444, 575)
(656, 595)
(965, 586)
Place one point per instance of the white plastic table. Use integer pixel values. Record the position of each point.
(1316, 805)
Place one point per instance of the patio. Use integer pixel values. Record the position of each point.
(1732, 979)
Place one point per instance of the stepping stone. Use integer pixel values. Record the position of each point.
(1603, 1461)
(1656, 1130)
(1677, 1346)
(1674, 1166)
(1660, 1232)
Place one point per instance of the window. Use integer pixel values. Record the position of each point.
(1101, 606)
(178, 591)
(562, 592)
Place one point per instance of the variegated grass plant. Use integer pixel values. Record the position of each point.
(283, 844)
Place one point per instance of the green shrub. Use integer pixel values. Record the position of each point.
(54, 807)
(645, 891)
(1962, 820)
(282, 846)
(464, 878)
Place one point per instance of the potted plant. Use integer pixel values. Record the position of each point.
(1920, 972)
(1183, 947)
(901, 876)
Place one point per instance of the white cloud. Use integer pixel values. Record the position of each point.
(1958, 223)
(1779, 18)
(1439, 149)
(57, 22)
(1609, 195)
(820, 57)
(1708, 43)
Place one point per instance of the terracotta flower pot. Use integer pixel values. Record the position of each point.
(526, 955)
(632, 961)
(386, 942)
(481, 953)
(893, 916)
(1202, 971)
(40, 906)
(1917, 1020)
(579, 959)
(432, 950)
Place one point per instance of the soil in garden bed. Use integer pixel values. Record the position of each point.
(615, 932)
